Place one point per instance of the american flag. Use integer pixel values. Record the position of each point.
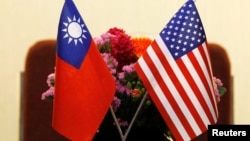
(176, 71)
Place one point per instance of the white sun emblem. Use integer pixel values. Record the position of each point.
(74, 30)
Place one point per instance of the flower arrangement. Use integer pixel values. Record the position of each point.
(120, 51)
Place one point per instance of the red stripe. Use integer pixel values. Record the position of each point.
(158, 104)
(196, 91)
(181, 92)
(164, 87)
(208, 67)
(205, 58)
(206, 85)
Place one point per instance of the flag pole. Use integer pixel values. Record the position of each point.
(116, 122)
(135, 116)
(124, 136)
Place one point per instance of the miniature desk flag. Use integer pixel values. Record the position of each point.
(176, 71)
(84, 86)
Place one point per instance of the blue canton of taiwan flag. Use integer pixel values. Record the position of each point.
(84, 86)
(74, 38)
(176, 71)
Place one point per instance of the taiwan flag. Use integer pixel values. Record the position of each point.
(84, 87)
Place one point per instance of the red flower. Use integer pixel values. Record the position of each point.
(122, 48)
(135, 92)
(116, 31)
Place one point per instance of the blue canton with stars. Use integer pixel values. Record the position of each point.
(184, 32)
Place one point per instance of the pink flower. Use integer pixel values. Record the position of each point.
(110, 61)
(217, 83)
(121, 75)
(116, 103)
(51, 79)
(48, 94)
(98, 41)
(128, 68)
(122, 88)
(106, 37)
(113, 71)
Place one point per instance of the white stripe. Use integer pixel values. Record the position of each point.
(162, 98)
(207, 56)
(197, 78)
(201, 88)
(208, 76)
(204, 45)
(173, 90)
(183, 81)
(207, 69)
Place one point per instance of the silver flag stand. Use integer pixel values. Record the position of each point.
(122, 135)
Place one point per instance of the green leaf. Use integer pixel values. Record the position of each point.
(129, 85)
(222, 90)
